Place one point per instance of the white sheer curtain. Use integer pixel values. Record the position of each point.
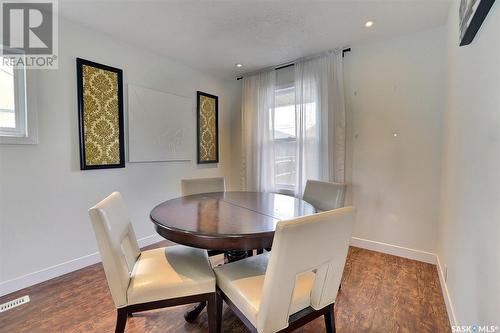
(320, 120)
(317, 129)
(258, 145)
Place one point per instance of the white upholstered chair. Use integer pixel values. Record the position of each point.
(202, 185)
(146, 280)
(296, 282)
(324, 195)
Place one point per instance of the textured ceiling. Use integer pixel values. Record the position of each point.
(215, 35)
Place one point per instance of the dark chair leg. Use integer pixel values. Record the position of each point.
(330, 320)
(260, 251)
(219, 301)
(121, 320)
(212, 313)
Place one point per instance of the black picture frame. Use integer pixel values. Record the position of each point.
(81, 123)
(471, 18)
(198, 154)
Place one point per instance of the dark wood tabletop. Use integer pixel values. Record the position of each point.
(226, 220)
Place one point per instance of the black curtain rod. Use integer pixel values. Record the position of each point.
(292, 64)
(284, 66)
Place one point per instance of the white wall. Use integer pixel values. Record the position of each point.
(469, 232)
(44, 196)
(396, 86)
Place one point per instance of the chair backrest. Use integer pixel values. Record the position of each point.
(324, 195)
(316, 243)
(117, 244)
(202, 185)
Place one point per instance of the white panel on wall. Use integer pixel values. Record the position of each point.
(160, 126)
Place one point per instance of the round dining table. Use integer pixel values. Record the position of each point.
(233, 222)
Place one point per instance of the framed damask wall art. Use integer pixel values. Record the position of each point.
(100, 109)
(207, 107)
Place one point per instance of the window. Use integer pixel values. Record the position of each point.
(18, 118)
(285, 139)
(12, 101)
(290, 120)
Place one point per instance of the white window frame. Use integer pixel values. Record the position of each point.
(26, 130)
(284, 188)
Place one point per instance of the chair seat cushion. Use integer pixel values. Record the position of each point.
(170, 272)
(243, 281)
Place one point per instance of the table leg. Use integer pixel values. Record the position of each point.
(231, 256)
(235, 255)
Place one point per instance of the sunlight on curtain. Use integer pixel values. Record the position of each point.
(285, 138)
(320, 119)
(258, 146)
(294, 126)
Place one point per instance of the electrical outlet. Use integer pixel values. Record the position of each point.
(445, 273)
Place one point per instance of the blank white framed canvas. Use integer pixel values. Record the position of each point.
(160, 126)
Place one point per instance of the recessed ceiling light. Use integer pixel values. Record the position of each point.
(239, 65)
(368, 24)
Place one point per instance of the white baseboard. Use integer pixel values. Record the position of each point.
(394, 250)
(446, 295)
(148, 240)
(30, 279)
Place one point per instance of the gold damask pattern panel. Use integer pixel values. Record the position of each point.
(101, 117)
(207, 128)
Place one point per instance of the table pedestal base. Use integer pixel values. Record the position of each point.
(192, 314)
(235, 255)
(229, 256)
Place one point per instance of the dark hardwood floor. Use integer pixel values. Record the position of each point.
(380, 293)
